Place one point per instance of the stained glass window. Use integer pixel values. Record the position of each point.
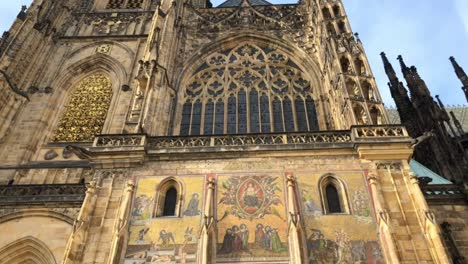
(242, 111)
(265, 113)
(209, 111)
(254, 112)
(219, 125)
(196, 118)
(288, 115)
(301, 119)
(252, 87)
(231, 121)
(312, 114)
(277, 116)
(186, 115)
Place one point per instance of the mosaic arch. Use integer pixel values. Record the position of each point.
(248, 89)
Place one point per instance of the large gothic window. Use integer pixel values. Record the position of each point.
(247, 89)
(86, 111)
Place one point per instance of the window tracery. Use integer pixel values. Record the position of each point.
(86, 111)
(247, 89)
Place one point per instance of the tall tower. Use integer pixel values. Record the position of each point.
(143, 131)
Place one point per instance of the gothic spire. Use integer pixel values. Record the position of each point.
(404, 69)
(403, 103)
(461, 75)
(389, 68)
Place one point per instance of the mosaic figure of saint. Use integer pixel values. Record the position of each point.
(166, 238)
(250, 196)
(192, 208)
(267, 238)
(259, 236)
(141, 235)
(228, 240)
(244, 233)
(276, 245)
(237, 243)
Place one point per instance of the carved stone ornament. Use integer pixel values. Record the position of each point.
(50, 155)
(265, 17)
(104, 49)
(389, 166)
(113, 23)
(67, 153)
(42, 194)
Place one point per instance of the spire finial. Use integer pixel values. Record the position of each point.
(461, 75)
(388, 68)
(404, 68)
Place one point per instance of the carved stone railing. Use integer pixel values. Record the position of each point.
(42, 194)
(141, 143)
(368, 132)
(444, 194)
(249, 140)
(119, 141)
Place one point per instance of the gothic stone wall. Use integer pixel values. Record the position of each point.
(456, 216)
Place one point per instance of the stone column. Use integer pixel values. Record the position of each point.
(121, 223)
(296, 239)
(206, 233)
(386, 235)
(428, 223)
(77, 240)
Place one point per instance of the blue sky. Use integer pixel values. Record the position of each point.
(425, 32)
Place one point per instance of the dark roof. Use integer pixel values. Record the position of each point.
(461, 112)
(236, 3)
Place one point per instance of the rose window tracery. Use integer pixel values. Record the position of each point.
(86, 111)
(247, 89)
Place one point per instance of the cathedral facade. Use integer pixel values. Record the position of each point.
(143, 131)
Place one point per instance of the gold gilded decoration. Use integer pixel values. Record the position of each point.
(104, 49)
(86, 111)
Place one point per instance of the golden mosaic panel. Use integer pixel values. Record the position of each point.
(86, 111)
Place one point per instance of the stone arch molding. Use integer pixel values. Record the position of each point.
(88, 49)
(64, 215)
(28, 250)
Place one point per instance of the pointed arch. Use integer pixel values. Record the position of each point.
(360, 114)
(333, 194)
(376, 116)
(237, 75)
(247, 79)
(345, 65)
(86, 111)
(169, 196)
(27, 250)
(71, 76)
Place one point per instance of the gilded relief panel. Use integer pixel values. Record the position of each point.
(349, 237)
(251, 217)
(165, 239)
